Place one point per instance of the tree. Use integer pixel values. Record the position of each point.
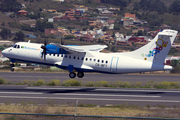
(5, 33)
(19, 36)
(84, 29)
(151, 5)
(3, 24)
(81, 39)
(113, 35)
(175, 7)
(116, 27)
(43, 25)
(140, 33)
(10, 6)
(105, 28)
(70, 37)
(91, 27)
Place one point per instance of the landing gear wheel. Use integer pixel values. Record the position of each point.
(12, 69)
(72, 75)
(11, 65)
(80, 74)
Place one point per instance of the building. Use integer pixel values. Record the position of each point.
(106, 13)
(129, 15)
(69, 14)
(52, 11)
(102, 8)
(127, 21)
(22, 12)
(51, 32)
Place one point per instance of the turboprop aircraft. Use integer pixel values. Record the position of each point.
(88, 58)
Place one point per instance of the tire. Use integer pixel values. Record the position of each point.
(12, 69)
(72, 75)
(80, 74)
(11, 65)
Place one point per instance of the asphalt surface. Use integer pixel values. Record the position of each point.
(15, 77)
(95, 96)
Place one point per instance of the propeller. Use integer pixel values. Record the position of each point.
(62, 42)
(43, 54)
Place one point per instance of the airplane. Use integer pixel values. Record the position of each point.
(88, 58)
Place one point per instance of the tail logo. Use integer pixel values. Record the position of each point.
(161, 44)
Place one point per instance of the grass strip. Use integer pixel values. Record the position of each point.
(88, 109)
(117, 84)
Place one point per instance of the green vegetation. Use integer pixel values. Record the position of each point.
(52, 107)
(121, 3)
(5, 33)
(2, 81)
(19, 36)
(117, 84)
(54, 83)
(151, 5)
(72, 83)
(9, 6)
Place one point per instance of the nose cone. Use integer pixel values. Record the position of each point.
(5, 52)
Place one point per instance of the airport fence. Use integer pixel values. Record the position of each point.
(25, 116)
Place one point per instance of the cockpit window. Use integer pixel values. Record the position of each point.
(18, 46)
(14, 46)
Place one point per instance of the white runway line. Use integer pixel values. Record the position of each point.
(19, 93)
(96, 89)
(92, 99)
(106, 95)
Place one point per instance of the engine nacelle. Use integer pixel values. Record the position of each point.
(52, 49)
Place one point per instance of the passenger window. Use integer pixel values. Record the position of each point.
(58, 55)
(86, 59)
(18, 46)
(65, 56)
(98, 60)
(62, 55)
(94, 60)
(74, 57)
(82, 58)
(50, 54)
(106, 61)
(54, 54)
(90, 59)
(69, 56)
(102, 61)
(78, 58)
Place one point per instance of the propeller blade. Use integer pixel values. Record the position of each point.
(41, 56)
(45, 55)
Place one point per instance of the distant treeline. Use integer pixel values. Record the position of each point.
(148, 5)
(121, 3)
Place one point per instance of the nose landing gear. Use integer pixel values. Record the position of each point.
(12, 65)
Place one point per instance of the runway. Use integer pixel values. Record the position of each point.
(95, 96)
(15, 77)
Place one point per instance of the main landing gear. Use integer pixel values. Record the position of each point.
(73, 74)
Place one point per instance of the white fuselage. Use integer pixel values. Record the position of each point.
(92, 61)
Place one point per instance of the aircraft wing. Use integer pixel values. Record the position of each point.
(80, 49)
